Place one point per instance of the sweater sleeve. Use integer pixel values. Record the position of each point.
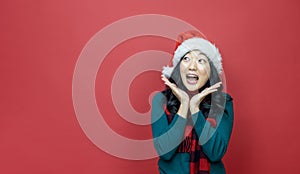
(166, 137)
(214, 141)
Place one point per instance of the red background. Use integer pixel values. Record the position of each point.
(41, 42)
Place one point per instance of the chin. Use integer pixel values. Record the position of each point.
(192, 88)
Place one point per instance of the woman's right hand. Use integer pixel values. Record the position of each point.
(181, 95)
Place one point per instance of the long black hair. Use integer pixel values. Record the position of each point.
(211, 105)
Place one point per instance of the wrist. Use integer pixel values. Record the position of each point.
(194, 109)
(183, 110)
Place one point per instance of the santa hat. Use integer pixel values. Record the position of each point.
(193, 40)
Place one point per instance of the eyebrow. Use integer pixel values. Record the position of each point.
(203, 54)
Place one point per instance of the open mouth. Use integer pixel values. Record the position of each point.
(192, 79)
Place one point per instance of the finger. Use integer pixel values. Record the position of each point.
(172, 86)
(164, 78)
(209, 92)
(168, 83)
(216, 85)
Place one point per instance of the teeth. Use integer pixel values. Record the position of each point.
(192, 76)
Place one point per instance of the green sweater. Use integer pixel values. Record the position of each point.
(167, 137)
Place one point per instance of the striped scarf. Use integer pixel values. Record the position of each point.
(199, 163)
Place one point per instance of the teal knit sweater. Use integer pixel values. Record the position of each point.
(167, 137)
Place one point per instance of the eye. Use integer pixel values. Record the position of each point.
(202, 61)
(185, 58)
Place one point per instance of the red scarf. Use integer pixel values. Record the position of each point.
(199, 163)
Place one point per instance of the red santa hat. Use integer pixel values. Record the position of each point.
(193, 40)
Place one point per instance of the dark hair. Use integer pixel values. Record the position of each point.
(211, 105)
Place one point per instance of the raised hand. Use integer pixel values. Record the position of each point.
(197, 99)
(181, 95)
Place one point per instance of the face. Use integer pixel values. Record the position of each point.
(194, 70)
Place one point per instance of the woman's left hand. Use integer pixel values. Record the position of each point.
(197, 99)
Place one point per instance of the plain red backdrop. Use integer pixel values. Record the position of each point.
(41, 42)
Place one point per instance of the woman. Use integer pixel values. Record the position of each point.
(192, 118)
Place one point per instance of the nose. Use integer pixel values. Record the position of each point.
(193, 65)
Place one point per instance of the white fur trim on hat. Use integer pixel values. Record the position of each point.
(167, 71)
(195, 43)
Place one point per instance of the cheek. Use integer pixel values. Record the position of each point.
(182, 68)
(204, 71)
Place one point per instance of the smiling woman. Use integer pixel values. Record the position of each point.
(192, 118)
